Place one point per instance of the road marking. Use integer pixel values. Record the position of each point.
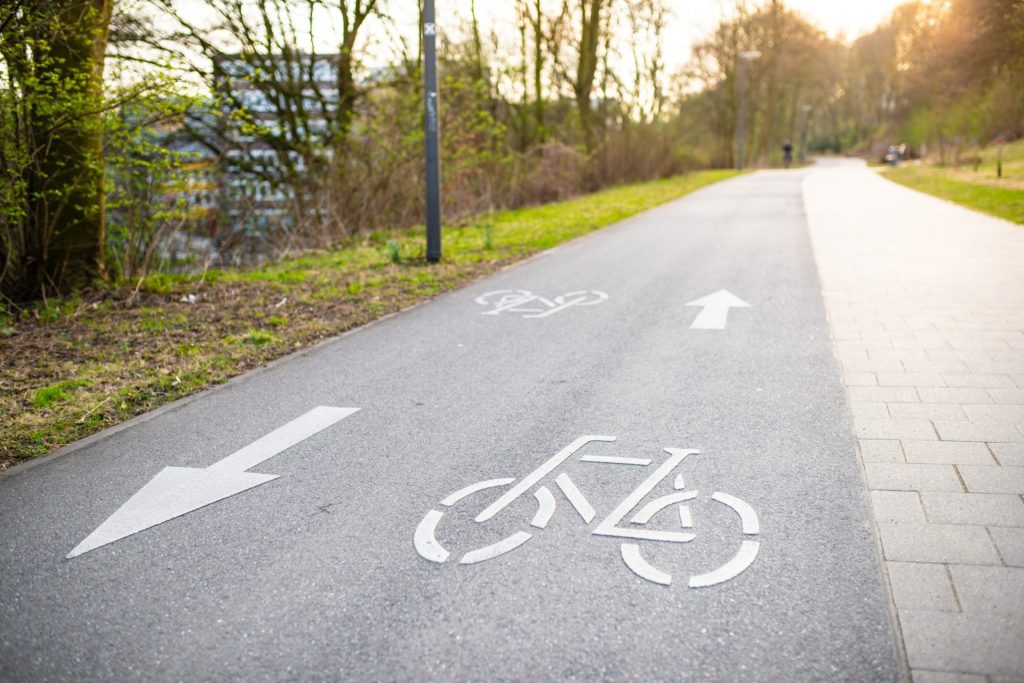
(500, 548)
(538, 474)
(715, 311)
(473, 488)
(426, 543)
(425, 539)
(730, 570)
(176, 491)
(530, 305)
(658, 504)
(545, 507)
(641, 567)
(613, 460)
(747, 515)
(576, 497)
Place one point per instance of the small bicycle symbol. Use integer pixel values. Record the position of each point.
(427, 545)
(533, 306)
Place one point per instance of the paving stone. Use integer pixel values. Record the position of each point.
(983, 381)
(918, 585)
(902, 355)
(870, 410)
(930, 365)
(1008, 397)
(983, 644)
(897, 429)
(938, 543)
(955, 430)
(996, 367)
(896, 507)
(860, 379)
(910, 379)
(887, 394)
(982, 509)
(927, 344)
(948, 452)
(881, 450)
(1010, 543)
(957, 354)
(926, 411)
(989, 590)
(993, 479)
(922, 676)
(882, 476)
(1008, 454)
(950, 395)
(990, 413)
(882, 365)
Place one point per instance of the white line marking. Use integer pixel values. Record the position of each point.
(679, 483)
(659, 504)
(425, 539)
(282, 438)
(609, 525)
(715, 311)
(685, 520)
(747, 515)
(538, 474)
(511, 304)
(176, 491)
(473, 488)
(730, 570)
(639, 566)
(613, 460)
(500, 548)
(545, 507)
(576, 497)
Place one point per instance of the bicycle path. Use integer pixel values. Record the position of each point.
(314, 575)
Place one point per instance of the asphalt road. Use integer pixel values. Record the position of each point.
(315, 575)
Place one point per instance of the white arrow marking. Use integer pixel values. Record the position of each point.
(176, 491)
(716, 310)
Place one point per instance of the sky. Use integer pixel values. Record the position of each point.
(693, 19)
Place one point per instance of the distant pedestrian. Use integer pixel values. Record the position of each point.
(787, 153)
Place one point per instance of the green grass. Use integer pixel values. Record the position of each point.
(124, 352)
(978, 189)
(47, 396)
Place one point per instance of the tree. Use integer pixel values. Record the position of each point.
(51, 102)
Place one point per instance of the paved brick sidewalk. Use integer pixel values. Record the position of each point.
(926, 303)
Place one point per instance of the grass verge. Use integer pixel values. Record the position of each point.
(973, 185)
(70, 368)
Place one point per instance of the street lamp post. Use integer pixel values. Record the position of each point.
(745, 56)
(431, 138)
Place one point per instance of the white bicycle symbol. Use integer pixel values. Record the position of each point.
(427, 545)
(534, 306)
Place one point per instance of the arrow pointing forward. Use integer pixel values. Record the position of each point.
(716, 310)
(176, 491)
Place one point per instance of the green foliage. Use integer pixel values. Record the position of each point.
(148, 183)
(51, 213)
(394, 251)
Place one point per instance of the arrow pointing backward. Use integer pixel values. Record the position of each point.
(176, 491)
(716, 310)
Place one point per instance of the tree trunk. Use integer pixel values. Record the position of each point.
(66, 207)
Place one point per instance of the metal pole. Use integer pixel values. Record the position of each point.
(741, 116)
(433, 162)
